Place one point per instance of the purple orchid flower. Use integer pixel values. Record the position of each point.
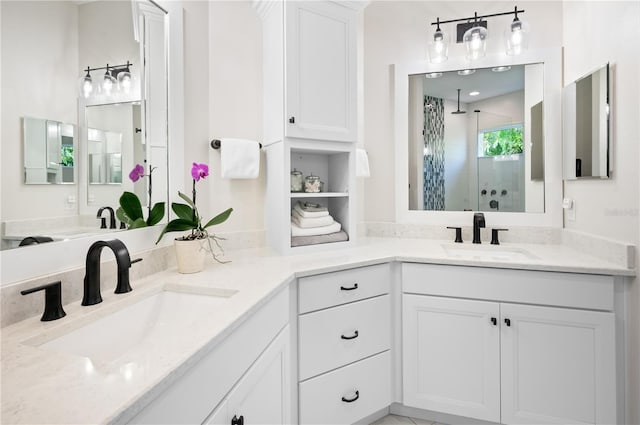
(199, 171)
(137, 173)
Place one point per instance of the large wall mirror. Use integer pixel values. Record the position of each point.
(586, 126)
(481, 136)
(65, 152)
(475, 140)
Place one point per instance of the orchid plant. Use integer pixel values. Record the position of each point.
(190, 219)
(130, 211)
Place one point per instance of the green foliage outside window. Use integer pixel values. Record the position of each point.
(67, 156)
(506, 141)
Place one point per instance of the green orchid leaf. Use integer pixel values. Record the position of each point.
(177, 225)
(130, 203)
(220, 218)
(122, 216)
(187, 199)
(156, 214)
(137, 223)
(183, 211)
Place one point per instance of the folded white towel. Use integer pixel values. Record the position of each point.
(315, 231)
(319, 212)
(309, 222)
(239, 158)
(362, 163)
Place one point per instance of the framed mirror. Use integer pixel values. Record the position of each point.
(586, 126)
(494, 151)
(475, 140)
(60, 182)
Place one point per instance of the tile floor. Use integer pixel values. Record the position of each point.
(402, 420)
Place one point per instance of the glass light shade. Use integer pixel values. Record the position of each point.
(85, 86)
(124, 81)
(516, 37)
(475, 41)
(107, 84)
(439, 47)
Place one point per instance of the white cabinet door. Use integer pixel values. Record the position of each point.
(451, 357)
(263, 394)
(320, 71)
(558, 366)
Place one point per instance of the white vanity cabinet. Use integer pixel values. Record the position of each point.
(247, 374)
(344, 341)
(472, 347)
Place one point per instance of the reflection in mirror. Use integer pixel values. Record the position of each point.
(586, 130)
(62, 39)
(48, 151)
(475, 140)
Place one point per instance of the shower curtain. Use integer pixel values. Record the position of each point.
(433, 154)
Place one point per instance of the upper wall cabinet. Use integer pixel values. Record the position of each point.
(320, 83)
(309, 55)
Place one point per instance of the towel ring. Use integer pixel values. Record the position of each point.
(216, 144)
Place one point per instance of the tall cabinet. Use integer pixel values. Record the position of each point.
(309, 83)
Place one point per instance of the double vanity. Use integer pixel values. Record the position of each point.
(513, 333)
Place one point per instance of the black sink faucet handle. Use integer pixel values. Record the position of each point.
(494, 235)
(52, 300)
(458, 233)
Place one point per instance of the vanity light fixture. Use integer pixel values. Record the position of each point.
(473, 33)
(433, 75)
(501, 68)
(439, 45)
(118, 77)
(474, 93)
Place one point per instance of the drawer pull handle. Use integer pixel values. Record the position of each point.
(344, 288)
(507, 321)
(354, 336)
(351, 400)
(237, 420)
(494, 321)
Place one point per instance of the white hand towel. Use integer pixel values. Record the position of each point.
(315, 231)
(362, 163)
(310, 222)
(239, 159)
(309, 214)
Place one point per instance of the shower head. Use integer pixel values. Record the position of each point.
(458, 111)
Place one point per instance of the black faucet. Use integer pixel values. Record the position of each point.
(112, 218)
(478, 222)
(92, 274)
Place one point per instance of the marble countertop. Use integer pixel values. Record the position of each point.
(44, 386)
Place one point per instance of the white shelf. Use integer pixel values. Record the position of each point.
(319, 195)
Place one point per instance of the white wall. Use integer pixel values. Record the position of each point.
(39, 74)
(223, 98)
(456, 158)
(610, 207)
(396, 32)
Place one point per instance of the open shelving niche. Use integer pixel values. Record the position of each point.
(334, 163)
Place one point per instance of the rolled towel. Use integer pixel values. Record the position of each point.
(308, 212)
(309, 222)
(315, 231)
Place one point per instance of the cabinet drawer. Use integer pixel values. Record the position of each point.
(325, 399)
(340, 335)
(330, 289)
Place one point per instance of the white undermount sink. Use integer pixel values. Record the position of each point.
(159, 316)
(487, 252)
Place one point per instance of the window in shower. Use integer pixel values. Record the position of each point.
(498, 141)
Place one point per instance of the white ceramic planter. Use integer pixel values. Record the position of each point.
(190, 255)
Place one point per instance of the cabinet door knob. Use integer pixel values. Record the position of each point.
(351, 288)
(237, 421)
(351, 400)
(494, 321)
(507, 321)
(292, 120)
(354, 336)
